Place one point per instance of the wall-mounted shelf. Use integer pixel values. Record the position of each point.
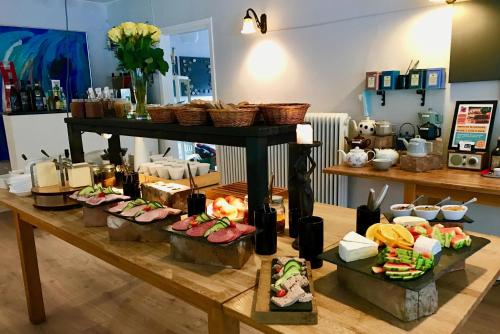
(422, 92)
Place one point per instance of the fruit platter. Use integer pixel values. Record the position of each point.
(230, 206)
(285, 293)
(205, 239)
(411, 257)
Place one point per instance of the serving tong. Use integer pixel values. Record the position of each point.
(192, 184)
(269, 196)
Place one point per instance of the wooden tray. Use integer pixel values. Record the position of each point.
(54, 198)
(439, 219)
(264, 313)
(448, 259)
(238, 189)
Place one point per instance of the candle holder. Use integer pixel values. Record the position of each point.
(300, 192)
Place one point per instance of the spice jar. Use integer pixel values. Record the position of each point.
(97, 173)
(108, 175)
(277, 204)
(77, 107)
(94, 109)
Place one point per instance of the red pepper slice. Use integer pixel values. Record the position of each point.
(101, 195)
(148, 208)
(281, 293)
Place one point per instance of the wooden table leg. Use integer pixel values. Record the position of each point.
(410, 192)
(219, 323)
(29, 265)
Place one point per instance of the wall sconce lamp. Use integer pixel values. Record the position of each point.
(248, 26)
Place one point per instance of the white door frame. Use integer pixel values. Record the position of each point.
(189, 27)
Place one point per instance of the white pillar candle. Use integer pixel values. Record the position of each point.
(304, 134)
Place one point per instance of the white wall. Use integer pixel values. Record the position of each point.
(300, 59)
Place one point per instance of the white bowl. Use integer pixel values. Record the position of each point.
(454, 215)
(400, 213)
(427, 214)
(153, 169)
(163, 172)
(176, 173)
(203, 168)
(382, 164)
(408, 221)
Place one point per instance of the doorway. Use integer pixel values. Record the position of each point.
(189, 47)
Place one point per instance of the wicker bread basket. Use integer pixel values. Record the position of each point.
(162, 114)
(189, 116)
(240, 117)
(284, 113)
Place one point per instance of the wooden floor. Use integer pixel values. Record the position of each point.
(85, 295)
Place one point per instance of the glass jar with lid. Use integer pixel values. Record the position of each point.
(108, 175)
(277, 204)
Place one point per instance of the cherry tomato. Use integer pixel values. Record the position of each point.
(148, 208)
(101, 195)
(281, 293)
(277, 269)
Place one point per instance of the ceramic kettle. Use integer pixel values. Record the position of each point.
(357, 157)
(383, 128)
(429, 131)
(365, 127)
(387, 153)
(417, 147)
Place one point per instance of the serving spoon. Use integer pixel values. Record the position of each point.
(472, 200)
(443, 201)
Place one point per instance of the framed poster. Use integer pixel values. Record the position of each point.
(473, 122)
(46, 54)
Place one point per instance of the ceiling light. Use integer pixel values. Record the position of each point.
(248, 22)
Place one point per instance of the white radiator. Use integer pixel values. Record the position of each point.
(329, 128)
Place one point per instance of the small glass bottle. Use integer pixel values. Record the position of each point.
(277, 203)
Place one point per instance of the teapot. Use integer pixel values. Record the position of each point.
(358, 141)
(417, 147)
(387, 153)
(357, 157)
(365, 127)
(429, 131)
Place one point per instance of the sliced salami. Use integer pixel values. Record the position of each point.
(183, 225)
(245, 229)
(95, 200)
(199, 230)
(225, 235)
(132, 211)
(119, 206)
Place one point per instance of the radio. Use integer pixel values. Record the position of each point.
(468, 160)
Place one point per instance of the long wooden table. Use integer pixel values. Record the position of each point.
(226, 295)
(459, 184)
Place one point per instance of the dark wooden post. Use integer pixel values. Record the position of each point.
(257, 173)
(75, 144)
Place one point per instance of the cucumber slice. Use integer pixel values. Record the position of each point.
(292, 264)
(203, 218)
(217, 227)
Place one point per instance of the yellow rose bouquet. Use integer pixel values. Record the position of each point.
(136, 47)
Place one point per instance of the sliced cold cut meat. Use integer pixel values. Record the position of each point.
(183, 225)
(156, 214)
(132, 211)
(199, 230)
(95, 200)
(225, 235)
(245, 229)
(119, 207)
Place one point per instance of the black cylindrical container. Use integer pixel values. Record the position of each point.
(293, 222)
(196, 204)
(266, 235)
(366, 218)
(131, 186)
(311, 240)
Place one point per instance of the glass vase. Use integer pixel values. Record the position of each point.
(140, 86)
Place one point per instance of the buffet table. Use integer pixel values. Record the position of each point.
(459, 184)
(226, 295)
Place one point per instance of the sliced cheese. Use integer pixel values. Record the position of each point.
(46, 174)
(80, 175)
(427, 245)
(355, 247)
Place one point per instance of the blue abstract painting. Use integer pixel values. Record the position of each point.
(46, 54)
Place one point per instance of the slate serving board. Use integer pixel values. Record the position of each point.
(204, 240)
(448, 258)
(170, 219)
(297, 307)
